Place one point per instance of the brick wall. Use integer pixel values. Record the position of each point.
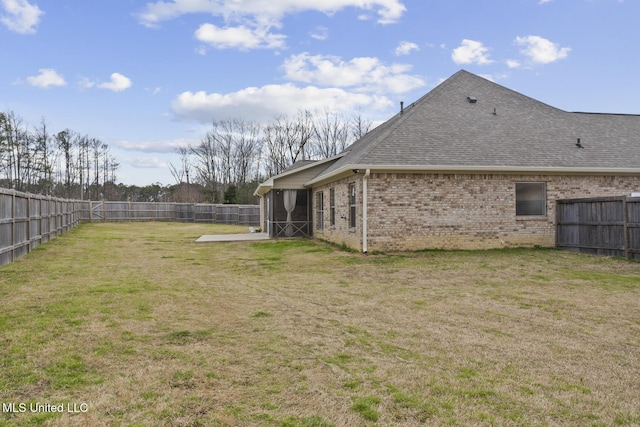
(341, 232)
(456, 211)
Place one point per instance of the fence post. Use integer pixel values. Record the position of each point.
(40, 229)
(557, 223)
(13, 225)
(625, 220)
(29, 222)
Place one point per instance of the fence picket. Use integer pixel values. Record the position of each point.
(28, 220)
(607, 226)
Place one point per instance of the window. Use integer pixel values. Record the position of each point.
(352, 205)
(332, 206)
(531, 199)
(319, 210)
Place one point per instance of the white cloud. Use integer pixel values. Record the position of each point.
(264, 103)
(20, 16)
(329, 83)
(168, 146)
(512, 63)
(388, 11)
(47, 77)
(86, 83)
(118, 83)
(405, 48)
(364, 74)
(249, 22)
(320, 33)
(471, 52)
(146, 162)
(240, 37)
(540, 50)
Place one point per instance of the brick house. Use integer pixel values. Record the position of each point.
(471, 164)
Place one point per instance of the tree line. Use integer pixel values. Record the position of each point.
(236, 154)
(225, 166)
(63, 164)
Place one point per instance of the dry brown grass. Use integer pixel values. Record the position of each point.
(149, 328)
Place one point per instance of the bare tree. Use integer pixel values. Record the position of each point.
(9, 124)
(287, 140)
(104, 151)
(331, 134)
(247, 148)
(206, 165)
(359, 126)
(275, 150)
(17, 152)
(234, 152)
(5, 168)
(229, 154)
(45, 154)
(181, 171)
(64, 140)
(95, 145)
(81, 142)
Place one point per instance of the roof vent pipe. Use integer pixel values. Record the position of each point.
(401, 107)
(579, 144)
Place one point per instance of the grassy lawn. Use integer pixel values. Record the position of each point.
(136, 325)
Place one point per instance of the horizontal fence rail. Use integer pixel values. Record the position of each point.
(166, 211)
(607, 226)
(28, 220)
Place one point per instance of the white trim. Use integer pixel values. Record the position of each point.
(473, 169)
(267, 185)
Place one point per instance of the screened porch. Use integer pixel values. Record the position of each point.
(288, 213)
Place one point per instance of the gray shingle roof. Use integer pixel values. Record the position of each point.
(444, 129)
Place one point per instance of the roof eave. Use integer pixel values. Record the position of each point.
(263, 188)
(266, 186)
(472, 169)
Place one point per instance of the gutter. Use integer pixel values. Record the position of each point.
(365, 180)
(552, 170)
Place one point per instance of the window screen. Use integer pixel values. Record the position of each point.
(352, 205)
(332, 206)
(319, 210)
(531, 199)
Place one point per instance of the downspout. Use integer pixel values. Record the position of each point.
(365, 180)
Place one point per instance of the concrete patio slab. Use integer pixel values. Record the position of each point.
(243, 237)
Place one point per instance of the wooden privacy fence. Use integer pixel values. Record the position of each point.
(27, 220)
(165, 211)
(603, 226)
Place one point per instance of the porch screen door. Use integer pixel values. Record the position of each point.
(290, 197)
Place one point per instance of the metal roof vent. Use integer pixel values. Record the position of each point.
(472, 99)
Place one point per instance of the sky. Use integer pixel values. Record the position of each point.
(148, 77)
